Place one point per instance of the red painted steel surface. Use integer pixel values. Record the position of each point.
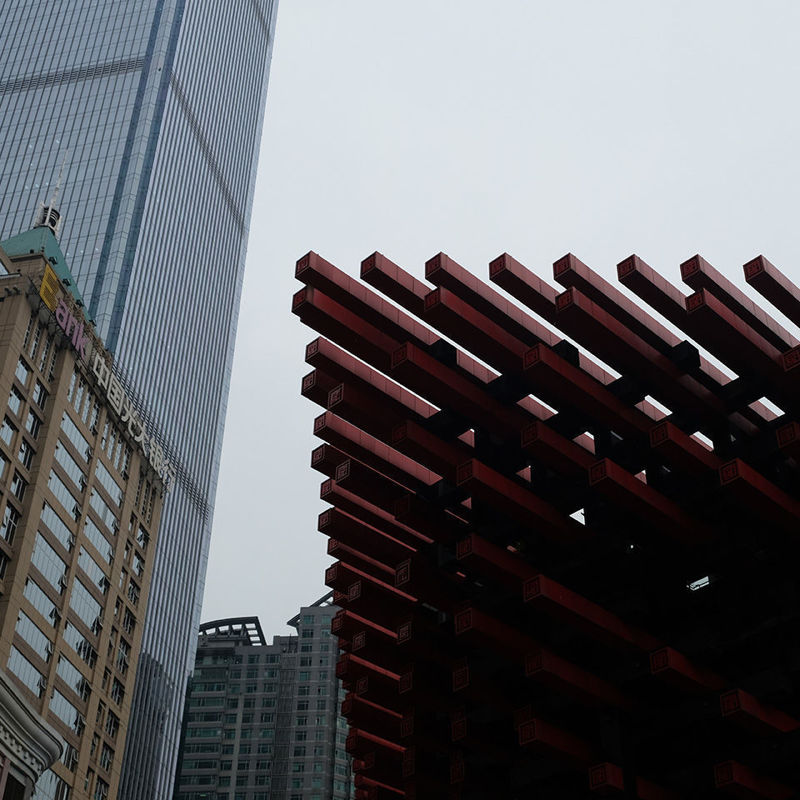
(699, 274)
(745, 485)
(682, 451)
(746, 710)
(628, 353)
(394, 282)
(774, 286)
(542, 574)
(477, 333)
(561, 676)
(553, 742)
(564, 385)
(564, 456)
(528, 288)
(444, 272)
(425, 447)
(553, 599)
(518, 502)
(493, 561)
(730, 338)
(735, 779)
(571, 272)
(343, 367)
(372, 452)
(674, 667)
(655, 510)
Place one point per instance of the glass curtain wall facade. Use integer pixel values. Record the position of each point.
(151, 111)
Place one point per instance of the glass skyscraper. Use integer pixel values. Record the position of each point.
(151, 111)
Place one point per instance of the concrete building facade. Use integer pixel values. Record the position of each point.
(81, 492)
(263, 721)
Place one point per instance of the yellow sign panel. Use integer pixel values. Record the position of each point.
(50, 288)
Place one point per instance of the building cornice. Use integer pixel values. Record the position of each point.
(25, 737)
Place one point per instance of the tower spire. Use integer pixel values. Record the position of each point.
(48, 215)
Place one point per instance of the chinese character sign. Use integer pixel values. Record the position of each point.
(119, 401)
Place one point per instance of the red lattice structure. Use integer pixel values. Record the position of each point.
(563, 571)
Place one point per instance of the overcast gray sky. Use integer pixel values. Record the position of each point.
(597, 127)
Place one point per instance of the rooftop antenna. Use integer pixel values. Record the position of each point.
(48, 215)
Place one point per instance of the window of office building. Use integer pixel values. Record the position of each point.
(26, 672)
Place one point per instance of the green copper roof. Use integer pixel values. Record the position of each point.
(43, 240)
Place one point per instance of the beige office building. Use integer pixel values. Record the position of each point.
(82, 480)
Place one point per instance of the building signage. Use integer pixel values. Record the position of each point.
(118, 400)
(115, 396)
(74, 329)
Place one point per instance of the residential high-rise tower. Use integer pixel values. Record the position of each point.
(151, 112)
(264, 721)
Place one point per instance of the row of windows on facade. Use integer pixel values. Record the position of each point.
(221, 701)
(40, 348)
(62, 707)
(8, 431)
(43, 353)
(257, 780)
(52, 787)
(99, 540)
(89, 612)
(262, 779)
(263, 766)
(42, 646)
(72, 469)
(231, 719)
(340, 790)
(205, 671)
(301, 720)
(316, 619)
(54, 569)
(205, 659)
(16, 479)
(252, 688)
(245, 795)
(111, 443)
(224, 796)
(245, 748)
(285, 707)
(300, 735)
(299, 751)
(248, 718)
(66, 710)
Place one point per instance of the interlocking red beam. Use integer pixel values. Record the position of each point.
(539, 569)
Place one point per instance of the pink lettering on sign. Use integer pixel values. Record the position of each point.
(73, 329)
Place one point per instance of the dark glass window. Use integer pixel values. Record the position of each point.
(39, 395)
(15, 400)
(7, 431)
(33, 424)
(22, 372)
(10, 521)
(25, 455)
(18, 486)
